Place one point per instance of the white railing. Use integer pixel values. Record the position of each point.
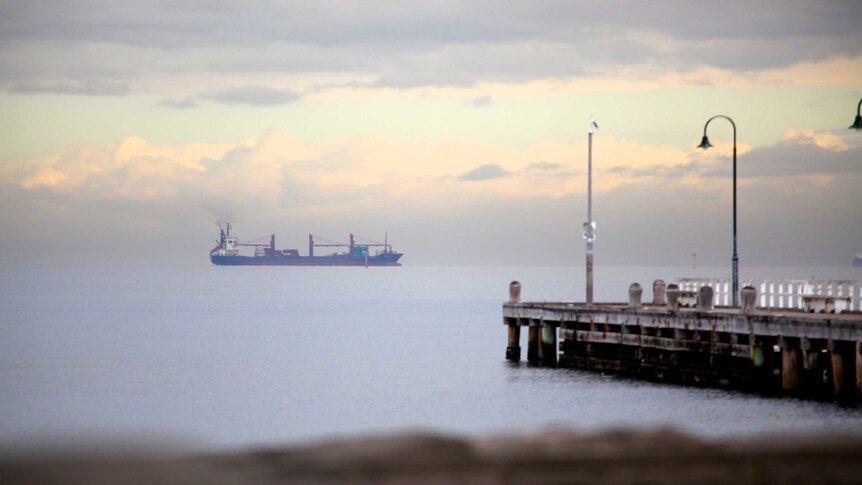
(791, 293)
(780, 293)
(720, 288)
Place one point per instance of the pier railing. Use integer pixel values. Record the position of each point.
(720, 287)
(793, 293)
(777, 293)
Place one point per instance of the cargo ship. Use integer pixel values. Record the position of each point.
(227, 253)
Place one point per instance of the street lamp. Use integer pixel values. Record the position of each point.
(590, 226)
(704, 143)
(857, 123)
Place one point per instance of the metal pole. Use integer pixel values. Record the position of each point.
(735, 258)
(589, 228)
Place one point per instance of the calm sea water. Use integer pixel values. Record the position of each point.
(240, 357)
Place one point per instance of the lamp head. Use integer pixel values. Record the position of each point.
(857, 123)
(705, 143)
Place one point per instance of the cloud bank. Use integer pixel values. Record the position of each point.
(669, 201)
(97, 47)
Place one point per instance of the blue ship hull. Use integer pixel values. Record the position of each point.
(387, 259)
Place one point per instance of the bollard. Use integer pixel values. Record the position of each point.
(658, 292)
(635, 292)
(514, 292)
(749, 296)
(704, 298)
(673, 297)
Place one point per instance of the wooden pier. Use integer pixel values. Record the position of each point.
(772, 351)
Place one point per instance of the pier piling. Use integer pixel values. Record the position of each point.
(844, 373)
(859, 373)
(549, 345)
(533, 346)
(513, 350)
(789, 365)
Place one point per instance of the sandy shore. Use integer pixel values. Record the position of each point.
(550, 456)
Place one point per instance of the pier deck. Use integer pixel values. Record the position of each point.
(772, 351)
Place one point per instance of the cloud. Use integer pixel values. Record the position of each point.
(182, 103)
(276, 169)
(253, 95)
(543, 167)
(274, 163)
(489, 171)
(799, 153)
(480, 101)
(797, 159)
(97, 88)
(152, 25)
(408, 45)
(825, 140)
(687, 170)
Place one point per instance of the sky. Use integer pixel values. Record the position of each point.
(456, 129)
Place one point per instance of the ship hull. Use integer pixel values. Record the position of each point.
(389, 259)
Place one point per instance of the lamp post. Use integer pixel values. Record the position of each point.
(590, 226)
(857, 123)
(735, 258)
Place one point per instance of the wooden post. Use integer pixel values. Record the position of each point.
(859, 373)
(837, 356)
(549, 344)
(533, 343)
(809, 354)
(789, 365)
(513, 349)
(757, 356)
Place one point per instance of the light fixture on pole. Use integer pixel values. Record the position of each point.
(857, 123)
(704, 143)
(590, 226)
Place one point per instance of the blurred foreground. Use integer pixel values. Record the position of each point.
(551, 456)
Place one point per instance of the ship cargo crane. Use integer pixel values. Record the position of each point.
(351, 246)
(269, 247)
